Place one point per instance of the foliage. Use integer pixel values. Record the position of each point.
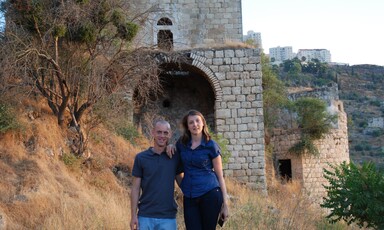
(223, 143)
(274, 93)
(296, 72)
(74, 54)
(313, 121)
(69, 159)
(355, 194)
(305, 144)
(8, 119)
(129, 132)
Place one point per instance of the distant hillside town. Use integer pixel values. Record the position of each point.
(279, 54)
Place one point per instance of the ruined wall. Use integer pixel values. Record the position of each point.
(233, 76)
(195, 23)
(308, 169)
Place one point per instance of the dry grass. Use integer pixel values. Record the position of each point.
(39, 190)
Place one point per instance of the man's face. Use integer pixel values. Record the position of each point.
(161, 135)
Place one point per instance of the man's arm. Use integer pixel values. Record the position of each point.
(135, 193)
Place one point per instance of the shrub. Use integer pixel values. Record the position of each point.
(377, 133)
(223, 143)
(128, 132)
(359, 147)
(355, 194)
(314, 122)
(69, 159)
(8, 119)
(376, 103)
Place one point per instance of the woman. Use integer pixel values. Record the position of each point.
(203, 184)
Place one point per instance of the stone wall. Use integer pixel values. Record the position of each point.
(308, 169)
(233, 83)
(195, 23)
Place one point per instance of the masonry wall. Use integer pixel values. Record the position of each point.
(237, 81)
(234, 76)
(195, 23)
(308, 169)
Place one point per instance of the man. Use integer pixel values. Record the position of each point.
(154, 173)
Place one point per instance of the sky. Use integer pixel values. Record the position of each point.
(352, 30)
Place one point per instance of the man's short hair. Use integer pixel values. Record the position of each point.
(162, 122)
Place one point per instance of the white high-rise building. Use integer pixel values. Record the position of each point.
(322, 55)
(255, 36)
(279, 54)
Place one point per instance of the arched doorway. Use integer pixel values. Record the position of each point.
(183, 87)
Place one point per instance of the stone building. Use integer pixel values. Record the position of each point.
(221, 81)
(308, 169)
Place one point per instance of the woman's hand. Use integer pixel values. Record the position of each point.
(171, 149)
(224, 213)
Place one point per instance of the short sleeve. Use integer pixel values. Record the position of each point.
(137, 168)
(216, 151)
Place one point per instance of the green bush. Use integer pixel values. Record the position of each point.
(314, 122)
(223, 143)
(8, 119)
(128, 132)
(377, 133)
(69, 159)
(355, 194)
(376, 103)
(359, 147)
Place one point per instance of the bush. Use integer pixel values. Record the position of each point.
(377, 133)
(128, 132)
(8, 119)
(314, 122)
(223, 143)
(355, 194)
(376, 103)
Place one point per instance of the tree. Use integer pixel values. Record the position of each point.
(314, 122)
(355, 194)
(75, 53)
(274, 95)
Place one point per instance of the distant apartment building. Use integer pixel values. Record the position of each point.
(279, 54)
(322, 55)
(255, 36)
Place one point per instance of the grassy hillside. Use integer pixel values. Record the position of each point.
(43, 186)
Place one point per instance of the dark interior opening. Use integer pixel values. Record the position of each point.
(165, 40)
(285, 169)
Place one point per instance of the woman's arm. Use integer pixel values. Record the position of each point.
(218, 167)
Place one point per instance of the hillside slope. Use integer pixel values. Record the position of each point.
(361, 89)
(43, 186)
(41, 183)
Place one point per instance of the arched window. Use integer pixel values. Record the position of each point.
(164, 22)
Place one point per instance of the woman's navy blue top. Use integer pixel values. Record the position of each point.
(199, 176)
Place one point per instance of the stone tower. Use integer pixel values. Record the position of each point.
(222, 81)
(191, 23)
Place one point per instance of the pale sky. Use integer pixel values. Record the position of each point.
(352, 30)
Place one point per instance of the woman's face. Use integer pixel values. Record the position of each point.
(195, 124)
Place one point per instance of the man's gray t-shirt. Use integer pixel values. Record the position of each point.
(157, 173)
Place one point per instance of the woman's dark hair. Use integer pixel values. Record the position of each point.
(187, 134)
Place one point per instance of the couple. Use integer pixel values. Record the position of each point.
(203, 185)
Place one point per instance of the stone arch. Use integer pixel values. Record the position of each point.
(197, 62)
(164, 21)
(186, 84)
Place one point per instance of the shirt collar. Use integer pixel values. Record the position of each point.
(153, 152)
(202, 143)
